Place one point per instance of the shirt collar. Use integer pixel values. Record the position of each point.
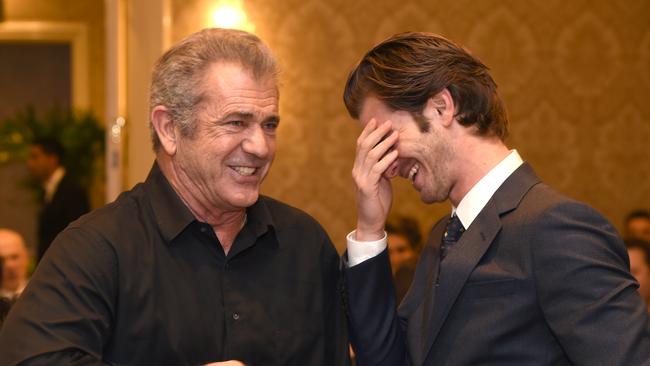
(53, 182)
(11, 294)
(259, 216)
(170, 212)
(477, 197)
(173, 216)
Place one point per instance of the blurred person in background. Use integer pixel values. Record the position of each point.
(637, 225)
(404, 237)
(62, 199)
(639, 252)
(15, 260)
(5, 304)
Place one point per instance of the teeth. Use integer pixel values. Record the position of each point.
(243, 170)
(413, 171)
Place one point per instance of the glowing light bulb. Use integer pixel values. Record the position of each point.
(231, 14)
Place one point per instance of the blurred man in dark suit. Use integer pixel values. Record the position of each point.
(62, 199)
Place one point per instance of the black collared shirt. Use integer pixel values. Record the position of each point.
(142, 282)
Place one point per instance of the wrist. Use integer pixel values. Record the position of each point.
(368, 234)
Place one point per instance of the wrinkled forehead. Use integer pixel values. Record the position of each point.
(226, 80)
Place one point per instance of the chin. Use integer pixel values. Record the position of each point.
(245, 200)
(433, 197)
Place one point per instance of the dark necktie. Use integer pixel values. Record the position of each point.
(452, 233)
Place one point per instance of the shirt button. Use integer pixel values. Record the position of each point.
(235, 316)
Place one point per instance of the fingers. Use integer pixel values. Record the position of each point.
(383, 147)
(369, 172)
(371, 135)
(376, 152)
(383, 164)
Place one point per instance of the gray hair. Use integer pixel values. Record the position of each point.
(177, 77)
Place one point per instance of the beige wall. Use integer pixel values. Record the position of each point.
(575, 76)
(88, 12)
(18, 207)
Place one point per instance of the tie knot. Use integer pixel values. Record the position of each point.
(454, 229)
(452, 233)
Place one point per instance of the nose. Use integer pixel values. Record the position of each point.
(256, 142)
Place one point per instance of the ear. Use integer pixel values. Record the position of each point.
(441, 108)
(165, 129)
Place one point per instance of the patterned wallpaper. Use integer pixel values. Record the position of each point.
(575, 76)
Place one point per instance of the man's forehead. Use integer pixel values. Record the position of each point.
(236, 75)
(370, 107)
(9, 238)
(11, 247)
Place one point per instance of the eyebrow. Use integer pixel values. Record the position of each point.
(248, 116)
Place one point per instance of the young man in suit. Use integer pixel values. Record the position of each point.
(63, 200)
(517, 274)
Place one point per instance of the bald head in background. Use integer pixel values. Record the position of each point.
(15, 263)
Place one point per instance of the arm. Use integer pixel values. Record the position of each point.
(373, 323)
(64, 316)
(586, 292)
(375, 330)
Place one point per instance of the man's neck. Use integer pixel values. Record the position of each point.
(225, 223)
(475, 156)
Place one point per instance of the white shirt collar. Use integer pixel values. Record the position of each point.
(10, 294)
(53, 182)
(477, 197)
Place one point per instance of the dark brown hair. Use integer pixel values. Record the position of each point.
(407, 69)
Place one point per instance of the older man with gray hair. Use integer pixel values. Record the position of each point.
(15, 263)
(192, 266)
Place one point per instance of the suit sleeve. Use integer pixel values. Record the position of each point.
(586, 292)
(374, 326)
(64, 315)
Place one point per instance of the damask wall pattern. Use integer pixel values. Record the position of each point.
(575, 77)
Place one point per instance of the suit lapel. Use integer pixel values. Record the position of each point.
(468, 251)
(425, 309)
(458, 265)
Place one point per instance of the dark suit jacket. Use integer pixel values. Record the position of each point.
(537, 279)
(68, 203)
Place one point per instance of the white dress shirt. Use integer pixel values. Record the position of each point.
(52, 183)
(468, 208)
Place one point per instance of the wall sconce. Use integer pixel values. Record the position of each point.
(230, 14)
